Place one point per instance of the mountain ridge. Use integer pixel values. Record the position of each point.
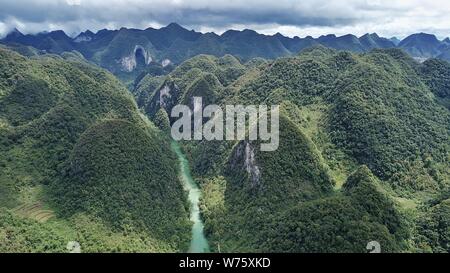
(113, 49)
(362, 141)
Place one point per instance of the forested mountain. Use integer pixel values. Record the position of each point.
(363, 151)
(79, 162)
(128, 52)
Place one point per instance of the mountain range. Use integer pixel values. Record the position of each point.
(363, 145)
(126, 50)
(363, 152)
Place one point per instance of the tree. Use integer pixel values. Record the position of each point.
(162, 120)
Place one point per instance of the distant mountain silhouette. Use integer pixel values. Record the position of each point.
(117, 50)
(423, 45)
(395, 40)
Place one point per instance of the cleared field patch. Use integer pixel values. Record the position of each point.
(34, 211)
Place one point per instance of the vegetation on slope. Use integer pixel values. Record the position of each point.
(436, 74)
(376, 121)
(71, 134)
(344, 222)
(380, 109)
(124, 175)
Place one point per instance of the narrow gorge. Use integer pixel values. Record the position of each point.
(199, 243)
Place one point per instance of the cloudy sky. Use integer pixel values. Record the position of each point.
(289, 17)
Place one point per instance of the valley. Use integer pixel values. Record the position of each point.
(87, 155)
(199, 243)
(317, 162)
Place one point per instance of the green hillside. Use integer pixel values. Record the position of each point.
(203, 75)
(258, 190)
(340, 111)
(437, 78)
(341, 223)
(363, 153)
(124, 175)
(80, 163)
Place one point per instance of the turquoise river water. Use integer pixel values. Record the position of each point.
(199, 243)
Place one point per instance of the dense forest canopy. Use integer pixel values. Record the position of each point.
(364, 148)
(363, 154)
(81, 163)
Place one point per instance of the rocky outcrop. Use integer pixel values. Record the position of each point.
(244, 158)
(129, 62)
(166, 62)
(250, 165)
(166, 97)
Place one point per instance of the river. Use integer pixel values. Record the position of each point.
(199, 243)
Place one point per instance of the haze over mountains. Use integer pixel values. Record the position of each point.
(123, 50)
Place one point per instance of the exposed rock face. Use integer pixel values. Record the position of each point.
(166, 97)
(129, 62)
(244, 158)
(250, 165)
(166, 62)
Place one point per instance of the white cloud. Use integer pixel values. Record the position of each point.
(73, 2)
(290, 17)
